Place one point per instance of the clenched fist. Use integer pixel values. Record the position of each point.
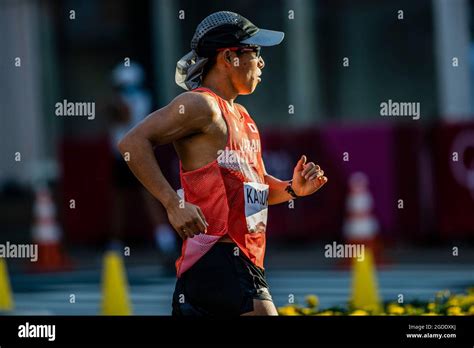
(188, 221)
(307, 177)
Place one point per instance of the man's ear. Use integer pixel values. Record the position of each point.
(227, 56)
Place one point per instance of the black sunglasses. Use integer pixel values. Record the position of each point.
(255, 49)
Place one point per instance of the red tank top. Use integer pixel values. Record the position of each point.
(230, 191)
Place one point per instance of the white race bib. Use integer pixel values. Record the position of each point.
(256, 206)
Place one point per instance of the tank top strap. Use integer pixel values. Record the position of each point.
(222, 104)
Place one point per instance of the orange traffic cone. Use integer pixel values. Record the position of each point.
(47, 234)
(361, 226)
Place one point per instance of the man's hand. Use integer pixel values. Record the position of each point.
(307, 177)
(188, 221)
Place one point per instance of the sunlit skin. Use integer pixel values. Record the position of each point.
(229, 80)
(198, 134)
(243, 73)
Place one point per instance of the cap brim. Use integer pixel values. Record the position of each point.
(265, 37)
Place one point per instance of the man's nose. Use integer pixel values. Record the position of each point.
(261, 63)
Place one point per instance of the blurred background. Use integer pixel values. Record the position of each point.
(64, 187)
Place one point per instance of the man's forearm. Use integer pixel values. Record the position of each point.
(277, 193)
(142, 162)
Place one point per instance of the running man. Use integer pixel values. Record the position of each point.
(221, 209)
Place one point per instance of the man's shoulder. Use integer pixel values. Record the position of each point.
(200, 103)
(200, 99)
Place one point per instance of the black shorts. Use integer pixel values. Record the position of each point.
(220, 283)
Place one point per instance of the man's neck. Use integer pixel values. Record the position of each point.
(220, 86)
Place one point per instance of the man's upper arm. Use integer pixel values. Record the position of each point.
(187, 114)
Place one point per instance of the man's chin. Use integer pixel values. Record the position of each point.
(249, 91)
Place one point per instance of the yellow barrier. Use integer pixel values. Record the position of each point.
(115, 298)
(6, 298)
(365, 294)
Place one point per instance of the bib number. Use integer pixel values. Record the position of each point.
(256, 206)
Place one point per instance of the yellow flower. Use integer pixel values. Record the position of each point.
(454, 311)
(372, 309)
(288, 310)
(395, 309)
(471, 310)
(454, 301)
(312, 301)
(325, 313)
(359, 312)
(430, 313)
(307, 311)
(431, 306)
(465, 301)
